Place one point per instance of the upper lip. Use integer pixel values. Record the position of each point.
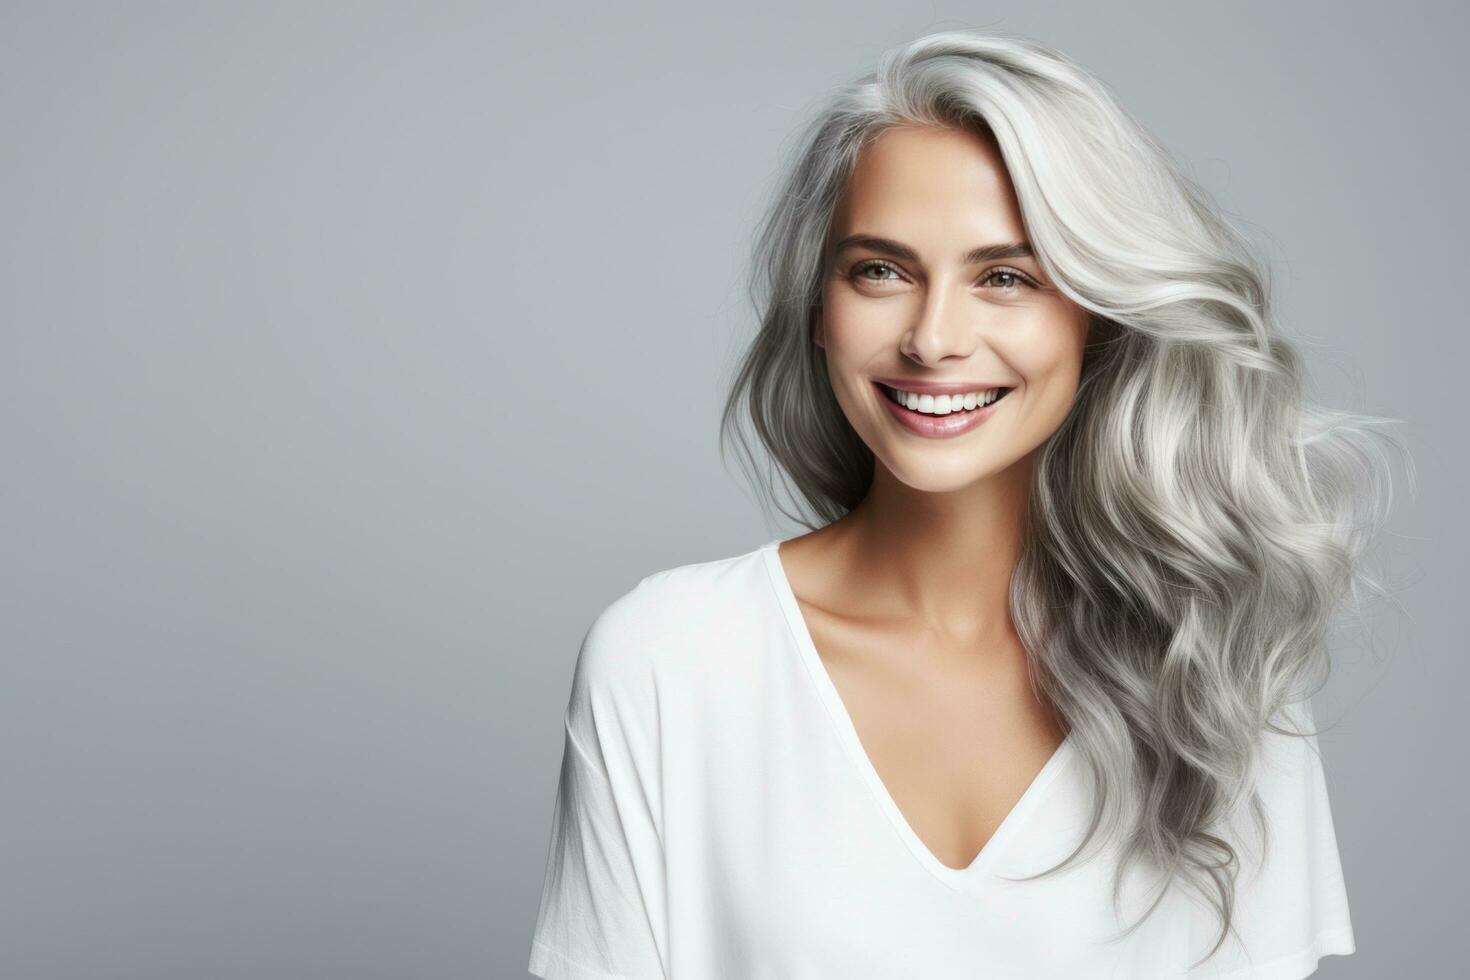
(939, 387)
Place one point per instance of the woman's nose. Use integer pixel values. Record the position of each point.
(945, 328)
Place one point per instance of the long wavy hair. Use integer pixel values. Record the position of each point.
(1193, 523)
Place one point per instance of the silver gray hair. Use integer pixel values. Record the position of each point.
(1193, 523)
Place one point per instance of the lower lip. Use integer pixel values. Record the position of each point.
(939, 426)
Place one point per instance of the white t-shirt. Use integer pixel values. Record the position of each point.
(717, 818)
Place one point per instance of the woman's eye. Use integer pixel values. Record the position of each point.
(1016, 277)
(863, 268)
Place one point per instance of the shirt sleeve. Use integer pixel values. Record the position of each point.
(1291, 910)
(602, 910)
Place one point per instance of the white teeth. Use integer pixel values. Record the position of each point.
(944, 404)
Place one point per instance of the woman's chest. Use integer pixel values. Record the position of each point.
(782, 862)
(954, 737)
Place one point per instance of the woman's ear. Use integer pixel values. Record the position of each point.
(818, 336)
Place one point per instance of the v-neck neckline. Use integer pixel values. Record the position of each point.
(847, 734)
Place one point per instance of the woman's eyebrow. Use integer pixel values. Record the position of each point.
(981, 253)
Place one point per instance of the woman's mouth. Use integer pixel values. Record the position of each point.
(942, 415)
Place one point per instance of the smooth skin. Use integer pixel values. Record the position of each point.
(906, 596)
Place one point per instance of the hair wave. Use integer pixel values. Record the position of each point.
(1193, 523)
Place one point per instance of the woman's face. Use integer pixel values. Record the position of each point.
(924, 283)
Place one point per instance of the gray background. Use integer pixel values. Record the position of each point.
(355, 356)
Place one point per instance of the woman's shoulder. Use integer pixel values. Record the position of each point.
(672, 612)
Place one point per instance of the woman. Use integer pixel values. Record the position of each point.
(1031, 701)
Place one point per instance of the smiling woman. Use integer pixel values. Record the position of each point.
(946, 315)
(1032, 698)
